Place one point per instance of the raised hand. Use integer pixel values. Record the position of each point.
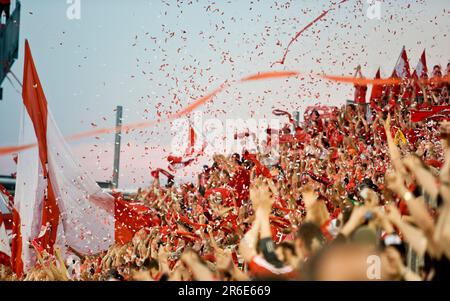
(393, 214)
(224, 260)
(395, 182)
(309, 195)
(261, 194)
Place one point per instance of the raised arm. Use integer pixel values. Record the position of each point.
(422, 175)
(412, 235)
(393, 150)
(416, 206)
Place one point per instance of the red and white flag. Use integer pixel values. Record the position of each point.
(402, 66)
(421, 69)
(56, 201)
(401, 70)
(421, 72)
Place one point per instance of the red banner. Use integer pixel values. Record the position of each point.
(435, 112)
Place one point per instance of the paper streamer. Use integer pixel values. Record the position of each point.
(323, 14)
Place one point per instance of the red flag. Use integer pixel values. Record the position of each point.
(259, 167)
(393, 89)
(129, 219)
(155, 173)
(377, 92)
(434, 112)
(192, 138)
(36, 105)
(178, 162)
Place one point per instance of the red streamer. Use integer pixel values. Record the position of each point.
(256, 77)
(323, 14)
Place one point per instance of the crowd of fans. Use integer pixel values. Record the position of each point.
(348, 195)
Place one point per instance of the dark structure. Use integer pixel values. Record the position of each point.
(115, 181)
(9, 43)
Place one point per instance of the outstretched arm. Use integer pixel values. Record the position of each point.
(412, 235)
(422, 175)
(393, 150)
(247, 245)
(416, 206)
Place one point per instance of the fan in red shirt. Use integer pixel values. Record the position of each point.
(360, 90)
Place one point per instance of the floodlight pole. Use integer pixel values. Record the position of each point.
(115, 181)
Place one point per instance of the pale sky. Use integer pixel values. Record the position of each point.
(143, 54)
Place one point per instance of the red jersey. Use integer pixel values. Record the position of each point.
(260, 267)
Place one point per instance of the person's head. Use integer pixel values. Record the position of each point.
(437, 71)
(236, 158)
(366, 236)
(315, 114)
(368, 195)
(390, 262)
(114, 275)
(351, 108)
(285, 252)
(151, 265)
(341, 262)
(309, 239)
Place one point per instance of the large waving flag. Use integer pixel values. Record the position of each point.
(36, 105)
(57, 202)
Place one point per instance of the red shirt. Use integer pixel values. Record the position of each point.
(411, 136)
(260, 267)
(360, 94)
(240, 182)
